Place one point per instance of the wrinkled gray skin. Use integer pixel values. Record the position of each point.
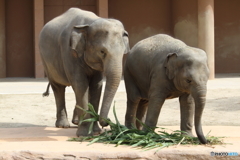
(159, 68)
(77, 49)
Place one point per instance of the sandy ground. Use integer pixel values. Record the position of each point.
(27, 124)
(22, 104)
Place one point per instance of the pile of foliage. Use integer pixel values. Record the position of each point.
(148, 139)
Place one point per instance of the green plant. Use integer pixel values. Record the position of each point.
(147, 139)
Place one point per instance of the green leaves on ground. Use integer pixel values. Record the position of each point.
(94, 116)
(148, 139)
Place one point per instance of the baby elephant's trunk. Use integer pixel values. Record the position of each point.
(199, 95)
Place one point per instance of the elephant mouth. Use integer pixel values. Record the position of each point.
(95, 65)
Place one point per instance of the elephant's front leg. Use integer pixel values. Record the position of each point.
(95, 89)
(59, 94)
(187, 111)
(80, 88)
(154, 108)
(133, 99)
(141, 113)
(130, 116)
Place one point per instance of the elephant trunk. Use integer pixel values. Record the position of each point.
(199, 95)
(113, 72)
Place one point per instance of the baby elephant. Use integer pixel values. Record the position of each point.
(161, 67)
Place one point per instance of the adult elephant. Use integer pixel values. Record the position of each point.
(77, 49)
(161, 67)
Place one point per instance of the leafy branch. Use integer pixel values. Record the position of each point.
(147, 139)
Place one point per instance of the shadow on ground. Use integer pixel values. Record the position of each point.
(16, 125)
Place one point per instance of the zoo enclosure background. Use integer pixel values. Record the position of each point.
(22, 20)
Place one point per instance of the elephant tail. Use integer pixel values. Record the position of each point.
(46, 93)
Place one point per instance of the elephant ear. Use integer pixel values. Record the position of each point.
(78, 40)
(170, 66)
(126, 42)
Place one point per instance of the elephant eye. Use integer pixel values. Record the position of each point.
(188, 81)
(103, 53)
(125, 33)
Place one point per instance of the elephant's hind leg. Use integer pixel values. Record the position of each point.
(59, 94)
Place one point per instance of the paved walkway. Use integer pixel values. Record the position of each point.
(50, 143)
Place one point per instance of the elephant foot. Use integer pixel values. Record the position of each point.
(139, 125)
(62, 123)
(74, 121)
(130, 125)
(83, 130)
(189, 133)
(96, 129)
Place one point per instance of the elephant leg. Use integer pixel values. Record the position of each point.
(59, 94)
(95, 89)
(75, 118)
(141, 113)
(80, 87)
(133, 99)
(81, 95)
(130, 117)
(154, 108)
(187, 112)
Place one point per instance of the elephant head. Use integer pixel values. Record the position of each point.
(102, 44)
(189, 71)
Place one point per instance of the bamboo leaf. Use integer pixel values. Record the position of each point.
(165, 145)
(144, 125)
(91, 108)
(116, 119)
(139, 143)
(90, 130)
(90, 120)
(94, 140)
(122, 133)
(120, 142)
